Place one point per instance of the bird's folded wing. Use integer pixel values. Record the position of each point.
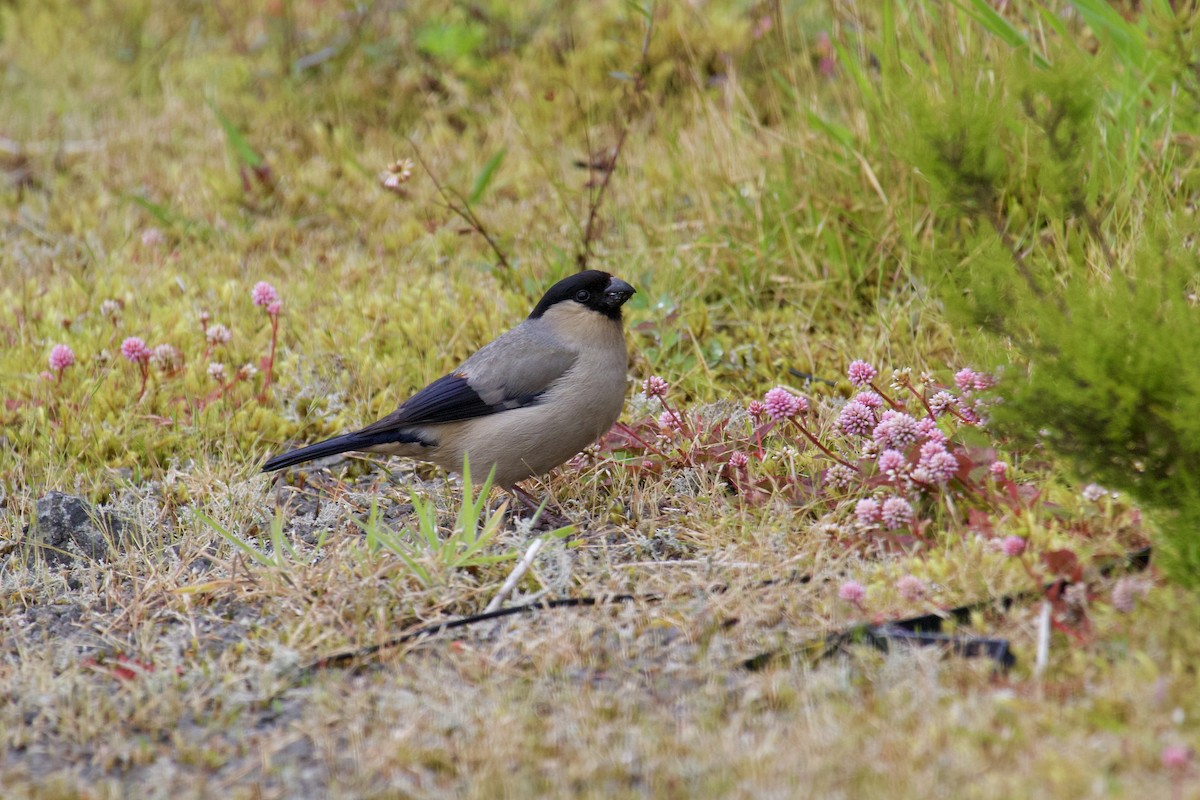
(509, 373)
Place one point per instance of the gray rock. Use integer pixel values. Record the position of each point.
(68, 527)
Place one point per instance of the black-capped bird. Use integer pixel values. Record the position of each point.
(524, 403)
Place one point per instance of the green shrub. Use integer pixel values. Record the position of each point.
(1063, 225)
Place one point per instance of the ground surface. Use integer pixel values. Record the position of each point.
(157, 161)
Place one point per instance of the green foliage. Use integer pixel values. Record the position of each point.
(1062, 236)
(282, 556)
(428, 552)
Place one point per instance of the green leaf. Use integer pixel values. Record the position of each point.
(238, 143)
(484, 178)
(987, 16)
(451, 41)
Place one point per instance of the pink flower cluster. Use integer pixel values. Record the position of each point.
(896, 430)
(1014, 546)
(263, 294)
(942, 402)
(669, 422)
(893, 513)
(861, 373)
(654, 386)
(134, 349)
(61, 357)
(782, 404)
(936, 465)
(856, 419)
(911, 588)
(852, 592)
(967, 379)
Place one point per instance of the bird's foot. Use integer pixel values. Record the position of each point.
(546, 519)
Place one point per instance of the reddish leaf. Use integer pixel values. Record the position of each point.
(1063, 563)
(980, 522)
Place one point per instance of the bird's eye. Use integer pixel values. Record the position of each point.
(582, 296)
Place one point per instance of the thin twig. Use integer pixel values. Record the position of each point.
(1043, 640)
(515, 576)
(594, 202)
(463, 210)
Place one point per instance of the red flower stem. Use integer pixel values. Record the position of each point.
(895, 406)
(270, 357)
(145, 368)
(631, 433)
(921, 397)
(822, 447)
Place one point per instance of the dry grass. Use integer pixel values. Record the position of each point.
(758, 243)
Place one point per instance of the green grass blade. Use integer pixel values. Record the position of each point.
(484, 178)
(254, 553)
(986, 15)
(242, 150)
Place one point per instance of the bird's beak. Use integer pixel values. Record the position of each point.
(617, 292)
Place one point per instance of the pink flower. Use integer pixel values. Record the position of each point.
(1093, 492)
(868, 512)
(218, 334)
(669, 422)
(61, 357)
(869, 399)
(153, 237)
(1176, 756)
(998, 469)
(852, 592)
(839, 476)
(891, 461)
(1014, 546)
(216, 371)
(896, 430)
(896, 513)
(782, 404)
(134, 349)
(757, 410)
(861, 373)
(655, 386)
(264, 294)
(274, 308)
(911, 588)
(964, 379)
(939, 465)
(738, 460)
(855, 419)
(941, 403)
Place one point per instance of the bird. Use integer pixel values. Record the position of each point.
(524, 403)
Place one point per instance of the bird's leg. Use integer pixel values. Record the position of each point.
(547, 518)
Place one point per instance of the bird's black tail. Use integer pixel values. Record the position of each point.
(338, 444)
(358, 440)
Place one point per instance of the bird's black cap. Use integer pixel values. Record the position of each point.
(597, 290)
